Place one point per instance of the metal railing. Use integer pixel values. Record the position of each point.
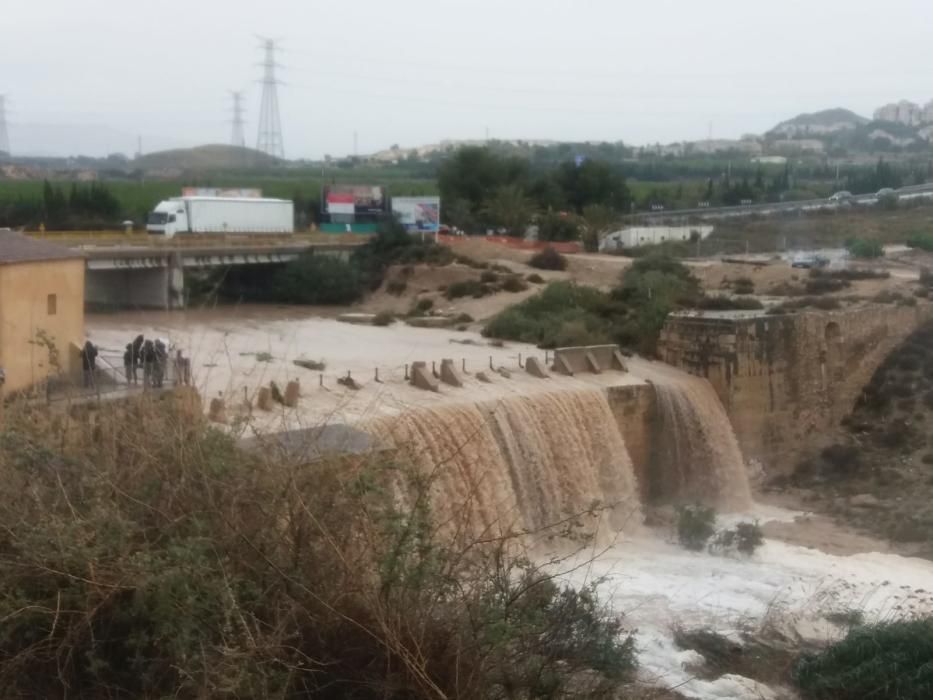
(107, 380)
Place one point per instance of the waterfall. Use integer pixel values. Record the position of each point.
(535, 463)
(697, 456)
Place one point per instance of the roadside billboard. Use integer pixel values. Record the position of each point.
(249, 192)
(353, 199)
(418, 213)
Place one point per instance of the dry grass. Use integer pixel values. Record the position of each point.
(144, 554)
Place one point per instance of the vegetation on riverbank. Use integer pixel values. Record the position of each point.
(171, 562)
(631, 314)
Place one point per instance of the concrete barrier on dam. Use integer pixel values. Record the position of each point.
(592, 359)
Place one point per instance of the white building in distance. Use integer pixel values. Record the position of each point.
(652, 235)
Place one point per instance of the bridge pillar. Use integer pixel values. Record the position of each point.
(175, 282)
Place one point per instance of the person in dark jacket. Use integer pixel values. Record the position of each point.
(161, 360)
(149, 361)
(89, 362)
(138, 352)
(129, 369)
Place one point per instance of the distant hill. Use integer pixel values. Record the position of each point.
(210, 157)
(828, 121)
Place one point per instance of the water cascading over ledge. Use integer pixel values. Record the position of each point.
(530, 462)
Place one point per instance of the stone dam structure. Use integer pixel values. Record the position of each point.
(787, 380)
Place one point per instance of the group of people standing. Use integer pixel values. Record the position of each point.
(152, 357)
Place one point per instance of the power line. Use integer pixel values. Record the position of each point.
(269, 139)
(4, 136)
(237, 137)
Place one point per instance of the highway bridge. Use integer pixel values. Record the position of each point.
(904, 194)
(143, 271)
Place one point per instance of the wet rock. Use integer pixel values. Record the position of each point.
(865, 500)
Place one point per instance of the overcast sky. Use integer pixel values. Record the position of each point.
(87, 76)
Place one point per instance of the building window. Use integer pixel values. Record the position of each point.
(52, 304)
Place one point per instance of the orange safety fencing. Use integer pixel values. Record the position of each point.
(566, 247)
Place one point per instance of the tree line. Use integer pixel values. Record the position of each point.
(80, 206)
(482, 189)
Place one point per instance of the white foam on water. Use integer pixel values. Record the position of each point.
(658, 586)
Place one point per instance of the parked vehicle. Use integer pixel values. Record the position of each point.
(807, 261)
(843, 196)
(181, 215)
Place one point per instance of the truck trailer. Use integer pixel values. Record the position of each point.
(181, 215)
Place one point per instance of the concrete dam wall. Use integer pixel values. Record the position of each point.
(786, 381)
(592, 456)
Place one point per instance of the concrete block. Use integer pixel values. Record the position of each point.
(618, 362)
(292, 392)
(562, 365)
(420, 376)
(535, 368)
(349, 382)
(217, 411)
(449, 373)
(592, 363)
(264, 399)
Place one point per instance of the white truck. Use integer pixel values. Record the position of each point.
(181, 215)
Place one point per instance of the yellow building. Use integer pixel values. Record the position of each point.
(41, 310)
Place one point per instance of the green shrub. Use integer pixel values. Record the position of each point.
(744, 538)
(921, 241)
(535, 278)
(842, 459)
(468, 288)
(865, 248)
(548, 259)
(825, 285)
(548, 318)
(489, 277)
(317, 279)
(851, 274)
(421, 307)
(695, 526)
(383, 318)
(513, 284)
(884, 660)
(464, 318)
(396, 287)
(671, 249)
(724, 303)
(743, 285)
(559, 227)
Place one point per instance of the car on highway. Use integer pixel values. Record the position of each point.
(885, 192)
(843, 196)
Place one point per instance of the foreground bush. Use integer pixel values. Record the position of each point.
(865, 248)
(167, 562)
(548, 259)
(886, 660)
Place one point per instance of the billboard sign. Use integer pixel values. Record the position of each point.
(353, 199)
(249, 192)
(418, 213)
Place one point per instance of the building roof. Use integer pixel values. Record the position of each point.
(17, 248)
